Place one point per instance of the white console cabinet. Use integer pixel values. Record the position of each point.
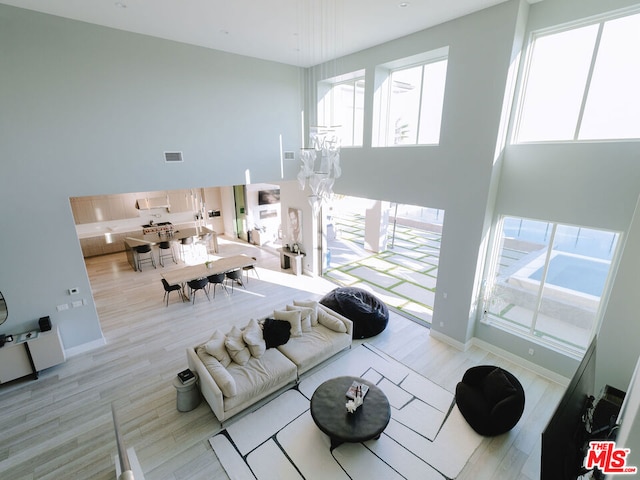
(45, 348)
(14, 362)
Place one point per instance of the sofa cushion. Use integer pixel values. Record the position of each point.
(331, 322)
(314, 347)
(216, 348)
(294, 319)
(305, 316)
(236, 347)
(313, 305)
(252, 336)
(259, 375)
(218, 372)
(276, 332)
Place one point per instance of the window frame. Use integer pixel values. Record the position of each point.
(599, 20)
(383, 94)
(325, 88)
(532, 333)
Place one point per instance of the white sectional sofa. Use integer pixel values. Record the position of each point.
(235, 369)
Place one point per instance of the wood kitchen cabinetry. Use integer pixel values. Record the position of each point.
(104, 244)
(103, 208)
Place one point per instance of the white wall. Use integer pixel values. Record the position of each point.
(88, 110)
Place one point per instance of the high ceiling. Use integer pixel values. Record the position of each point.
(296, 32)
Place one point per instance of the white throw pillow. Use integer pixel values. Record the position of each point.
(313, 305)
(254, 339)
(216, 348)
(236, 347)
(294, 319)
(331, 322)
(305, 316)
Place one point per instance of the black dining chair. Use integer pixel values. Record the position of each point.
(235, 276)
(251, 268)
(215, 280)
(168, 289)
(198, 284)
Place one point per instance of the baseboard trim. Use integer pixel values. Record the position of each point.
(449, 341)
(544, 372)
(524, 363)
(85, 347)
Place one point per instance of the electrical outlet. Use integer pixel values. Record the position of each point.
(77, 303)
(64, 306)
(531, 351)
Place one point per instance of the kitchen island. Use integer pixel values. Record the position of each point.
(132, 241)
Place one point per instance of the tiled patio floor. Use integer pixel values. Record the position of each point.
(403, 276)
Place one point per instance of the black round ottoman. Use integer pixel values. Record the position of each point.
(490, 399)
(368, 313)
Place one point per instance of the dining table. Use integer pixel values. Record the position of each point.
(182, 275)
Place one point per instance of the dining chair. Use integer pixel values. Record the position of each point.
(198, 284)
(235, 276)
(251, 268)
(170, 288)
(217, 279)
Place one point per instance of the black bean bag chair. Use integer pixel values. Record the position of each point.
(369, 314)
(490, 399)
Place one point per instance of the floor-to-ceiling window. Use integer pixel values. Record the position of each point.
(547, 280)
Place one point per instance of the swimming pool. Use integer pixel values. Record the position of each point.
(576, 273)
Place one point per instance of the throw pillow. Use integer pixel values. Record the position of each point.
(254, 339)
(236, 347)
(331, 322)
(305, 316)
(221, 376)
(313, 305)
(276, 332)
(215, 347)
(293, 317)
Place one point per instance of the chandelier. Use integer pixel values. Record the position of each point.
(320, 166)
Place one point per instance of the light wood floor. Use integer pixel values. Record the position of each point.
(60, 426)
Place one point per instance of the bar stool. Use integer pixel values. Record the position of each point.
(163, 247)
(185, 243)
(142, 250)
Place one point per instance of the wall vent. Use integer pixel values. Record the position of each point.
(173, 157)
(289, 156)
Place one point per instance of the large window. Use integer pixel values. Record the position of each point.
(547, 280)
(582, 83)
(409, 100)
(341, 106)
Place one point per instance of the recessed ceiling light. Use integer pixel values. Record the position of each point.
(404, 4)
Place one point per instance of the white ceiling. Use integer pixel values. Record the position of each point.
(296, 32)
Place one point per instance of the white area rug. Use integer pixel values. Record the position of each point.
(427, 437)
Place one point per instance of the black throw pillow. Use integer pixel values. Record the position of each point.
(276, 332)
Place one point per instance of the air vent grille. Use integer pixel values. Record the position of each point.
(289, 156)
(173, 157)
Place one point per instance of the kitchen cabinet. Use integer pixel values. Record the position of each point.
(180, 201)
(103, 208)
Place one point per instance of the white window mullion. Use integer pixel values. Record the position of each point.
(592, 67)
(543, 279)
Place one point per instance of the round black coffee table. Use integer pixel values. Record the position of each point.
(331, 416)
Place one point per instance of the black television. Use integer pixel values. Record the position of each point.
(267, 197)
(564, 437)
